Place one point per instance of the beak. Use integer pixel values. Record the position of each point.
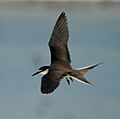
(36, 73)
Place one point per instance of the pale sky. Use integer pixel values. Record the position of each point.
(64, 0)
(94, 37)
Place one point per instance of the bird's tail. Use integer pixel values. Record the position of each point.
(79, 73)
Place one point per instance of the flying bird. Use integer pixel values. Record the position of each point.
(60, 67)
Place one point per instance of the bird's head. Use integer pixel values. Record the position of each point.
(42, 70)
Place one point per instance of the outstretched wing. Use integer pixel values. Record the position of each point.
(51, 81)
(59, 39)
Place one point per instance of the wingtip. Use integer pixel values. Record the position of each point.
(63, 13)
(100, 63)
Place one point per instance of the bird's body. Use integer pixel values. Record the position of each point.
(60, 66)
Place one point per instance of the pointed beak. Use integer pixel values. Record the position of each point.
(36, 73)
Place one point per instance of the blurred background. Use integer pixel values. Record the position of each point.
(25, 29)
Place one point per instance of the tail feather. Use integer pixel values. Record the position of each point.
(81, 80)
(84, 70)
(79, 73)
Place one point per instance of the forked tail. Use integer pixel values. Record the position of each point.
(79, 73)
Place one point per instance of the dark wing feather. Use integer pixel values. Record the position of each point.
(59, 39)
(51, 81)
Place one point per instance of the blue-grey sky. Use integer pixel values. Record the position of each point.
(65, 0)
(25, 29)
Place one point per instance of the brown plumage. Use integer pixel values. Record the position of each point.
(60, 60)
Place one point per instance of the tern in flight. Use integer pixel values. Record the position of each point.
(60, 66)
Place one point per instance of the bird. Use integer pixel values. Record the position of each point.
(60, 66)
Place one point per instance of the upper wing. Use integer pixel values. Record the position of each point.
(51, 81)
(58, 40)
